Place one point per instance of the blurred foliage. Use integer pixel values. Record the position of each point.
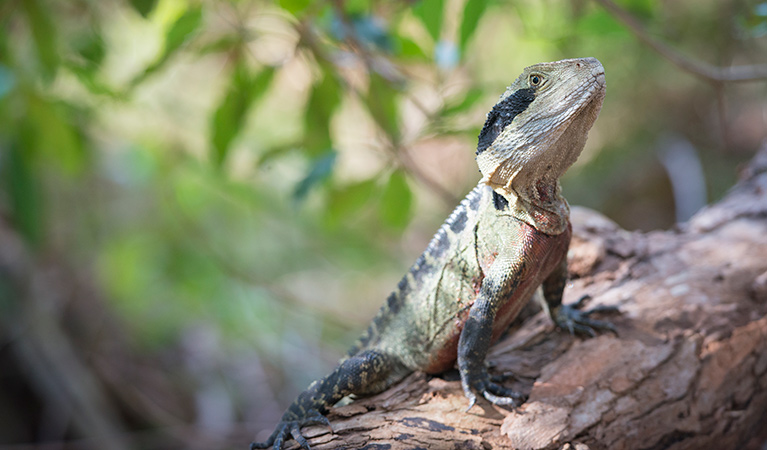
(268, 170)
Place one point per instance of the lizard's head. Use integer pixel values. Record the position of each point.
(539, 126)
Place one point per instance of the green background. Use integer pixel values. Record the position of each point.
(208, 201)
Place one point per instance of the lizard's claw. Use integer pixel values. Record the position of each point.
(316, 418)
(292, 428)
(494, 393)
(472, 399)
(574, 320)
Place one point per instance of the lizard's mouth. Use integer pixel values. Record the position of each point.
(600, 78)
(599, 85)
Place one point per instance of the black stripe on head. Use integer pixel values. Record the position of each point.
(502, 114)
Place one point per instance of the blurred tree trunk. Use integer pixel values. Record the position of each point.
(70, 376)
(687, 371)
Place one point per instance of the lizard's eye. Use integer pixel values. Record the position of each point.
(535, 80)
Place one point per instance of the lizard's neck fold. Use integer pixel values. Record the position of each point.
(539, 204)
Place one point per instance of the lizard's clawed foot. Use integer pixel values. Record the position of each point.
(575, 320)
(494, 393)
(291, 428)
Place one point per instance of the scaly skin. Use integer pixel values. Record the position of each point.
(509, 236)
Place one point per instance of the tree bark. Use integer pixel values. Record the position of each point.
(688, 369)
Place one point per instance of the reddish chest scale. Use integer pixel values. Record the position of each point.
(542, 254)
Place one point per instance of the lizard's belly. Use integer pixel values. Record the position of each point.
(542, 254)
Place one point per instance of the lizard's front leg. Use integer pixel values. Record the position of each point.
(503, 278)
(572, 318)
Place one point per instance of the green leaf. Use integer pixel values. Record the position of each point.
(407, 48)
(396, 201)
(599, 23)
(472, 12)
(431, 12)
(276, 152)
(223, 44)
(382, 103)
(229, 117)
(323, 100)
(51, 136)
(346, 201)
(23, 190)
(93, 81)
(320, 170)
(357, 6)
(143, 7)
(295, 7)
(91, 46)
(643, 9)
(468, 101)
(44, 36)
(181, 31)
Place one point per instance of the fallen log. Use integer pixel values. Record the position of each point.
(688, 369)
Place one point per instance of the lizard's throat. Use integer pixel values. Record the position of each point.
(537, 202)
(528, 176)
(528, 179)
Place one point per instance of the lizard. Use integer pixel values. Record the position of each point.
(506, 239)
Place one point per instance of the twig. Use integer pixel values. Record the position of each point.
(409, 164)
(707, 72)
(721, 110)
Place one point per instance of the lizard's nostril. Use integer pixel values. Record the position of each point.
(578, 65)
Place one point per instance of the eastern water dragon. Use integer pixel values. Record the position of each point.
(509, 236)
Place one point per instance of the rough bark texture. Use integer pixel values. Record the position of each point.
(687, 371)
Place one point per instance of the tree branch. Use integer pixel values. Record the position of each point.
(705, 71)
